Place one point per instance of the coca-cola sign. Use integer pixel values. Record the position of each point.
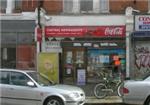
(110, 31)
(82, 31)
(114, 31)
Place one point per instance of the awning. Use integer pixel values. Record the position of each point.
(141, 34)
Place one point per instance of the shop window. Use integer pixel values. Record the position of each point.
(79, 59)
(110, 61)
(8, 57)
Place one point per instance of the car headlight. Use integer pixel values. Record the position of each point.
(74, 95)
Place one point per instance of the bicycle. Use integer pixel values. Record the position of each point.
(108, 85)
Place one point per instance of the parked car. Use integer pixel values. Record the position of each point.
(21, 87)
(137, 92)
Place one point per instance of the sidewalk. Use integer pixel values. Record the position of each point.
(108, 99)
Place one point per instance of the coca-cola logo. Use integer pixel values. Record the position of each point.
(114, 31)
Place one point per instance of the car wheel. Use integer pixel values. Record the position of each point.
(53, 101)
(147, 101)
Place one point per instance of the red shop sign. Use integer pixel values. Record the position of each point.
(38, 32)
(81, 31)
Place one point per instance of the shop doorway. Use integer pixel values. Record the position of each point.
(8, 57)
(74, 65)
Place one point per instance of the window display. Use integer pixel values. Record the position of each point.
(105, 59)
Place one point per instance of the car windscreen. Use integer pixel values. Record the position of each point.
(41, 79)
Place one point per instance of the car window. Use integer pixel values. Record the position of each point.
(41, 79)
(4, 77)
(19, 79)
(147, 79)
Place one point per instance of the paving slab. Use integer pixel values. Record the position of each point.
(108, 99)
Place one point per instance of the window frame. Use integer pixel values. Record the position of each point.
(87, 11)
(96, 7)
(27, 79)
(148, 6)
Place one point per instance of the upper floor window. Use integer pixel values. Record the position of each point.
(104, 6)
(68, 6)
(18, 4)
(86, 6)
(3, 4)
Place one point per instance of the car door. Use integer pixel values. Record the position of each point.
(20, 92)
(5, 87)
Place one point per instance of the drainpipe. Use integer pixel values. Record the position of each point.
(10, 6)
(129, 30)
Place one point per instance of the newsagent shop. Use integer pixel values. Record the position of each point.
(85, 50)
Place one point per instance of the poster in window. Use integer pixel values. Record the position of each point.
(48, 65)
(81, 77)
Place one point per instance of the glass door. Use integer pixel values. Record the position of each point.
(73, 60)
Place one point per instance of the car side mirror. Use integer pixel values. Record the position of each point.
(30, 84)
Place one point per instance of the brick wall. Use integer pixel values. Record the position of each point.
(53, 6)
(116, 6)
(29, 5)
(119, 6)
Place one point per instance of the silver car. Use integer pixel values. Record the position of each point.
(20, 87)
(137, 92)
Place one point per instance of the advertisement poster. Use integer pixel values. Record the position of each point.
(48, 65)
(81, 77)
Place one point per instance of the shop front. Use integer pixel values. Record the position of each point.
(141, 48)
(87, 50)
(17, 44)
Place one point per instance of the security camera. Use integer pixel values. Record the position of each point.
(47, 17)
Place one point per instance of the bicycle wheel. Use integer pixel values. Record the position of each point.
(98, 90)
(120, 89)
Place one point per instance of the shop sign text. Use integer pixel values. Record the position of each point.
(85, 31)
(142, 23)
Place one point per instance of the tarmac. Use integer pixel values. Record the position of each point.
(106, 100)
